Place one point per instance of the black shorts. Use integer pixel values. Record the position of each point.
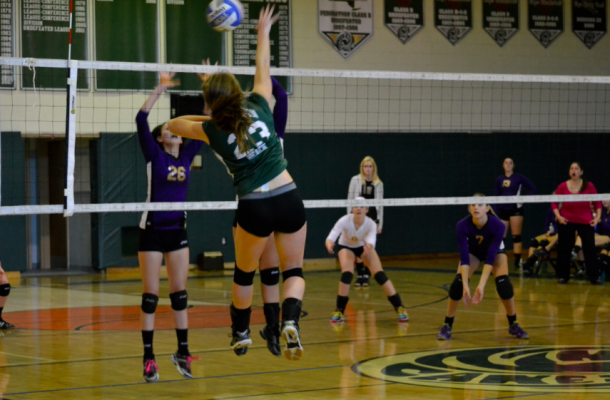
(163, 240)
(482, 257)
(235, 220)
(505, 214)
(356, 250)
(280, 210)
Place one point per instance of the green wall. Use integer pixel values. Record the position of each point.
(410, 165)
(12, 228)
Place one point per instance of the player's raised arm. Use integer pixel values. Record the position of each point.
(262, 78)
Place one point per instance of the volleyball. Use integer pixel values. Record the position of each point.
(225, 15)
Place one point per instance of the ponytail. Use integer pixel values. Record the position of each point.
(225, 99)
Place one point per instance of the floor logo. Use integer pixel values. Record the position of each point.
(567, 369)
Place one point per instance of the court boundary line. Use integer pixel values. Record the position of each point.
(264, 347)
(175, 380)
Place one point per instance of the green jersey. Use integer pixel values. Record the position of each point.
(263, 162)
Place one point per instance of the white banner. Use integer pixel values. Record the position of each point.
(347, 25)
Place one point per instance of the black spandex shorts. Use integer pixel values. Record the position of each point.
(356, 250)
(505, 214)
(162, 240)
(280, 210)
(235, 220)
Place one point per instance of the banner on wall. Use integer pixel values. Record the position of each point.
(545, 20)
(346, 25)
(453, 18)
(404, 17)
(589, 20)
(501, 19)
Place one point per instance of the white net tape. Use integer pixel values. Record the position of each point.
(229, 205)
(232, 205)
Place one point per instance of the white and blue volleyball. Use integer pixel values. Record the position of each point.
(225, 15)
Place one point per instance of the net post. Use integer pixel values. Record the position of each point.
(70, 138)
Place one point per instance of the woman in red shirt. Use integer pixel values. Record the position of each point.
(577, 217)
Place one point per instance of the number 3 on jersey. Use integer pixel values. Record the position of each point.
(257, 127)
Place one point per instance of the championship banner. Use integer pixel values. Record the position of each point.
(404, 17)
(347, 25)
(589, 20)
(453, 18)
(545, 20)
(501, 19)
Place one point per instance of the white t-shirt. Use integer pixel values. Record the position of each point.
(352, 237)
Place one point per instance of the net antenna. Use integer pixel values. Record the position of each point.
(70, 125)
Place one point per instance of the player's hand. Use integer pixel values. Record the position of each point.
(367, 249)
(466, 296)
(562, 220)
(204, 77)
(478, 295)
(379, 231)
(594, 221)
(330, 245)
(166, 80)
(266, 19)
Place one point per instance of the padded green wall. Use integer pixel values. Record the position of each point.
(410, 165)
(13, 252)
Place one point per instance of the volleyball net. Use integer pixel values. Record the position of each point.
(551, 119)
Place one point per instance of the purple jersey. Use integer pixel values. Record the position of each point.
(280, 111)
(511, 186)
(550, 224)
(168, 177)
(483, 243)
(603, 228)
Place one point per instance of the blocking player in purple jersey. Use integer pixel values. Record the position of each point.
(510, 184)
(163, 233)
(480, 241)
(270, 260)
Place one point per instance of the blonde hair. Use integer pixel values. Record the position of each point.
(225, 99)
(491, 210)
(375, 175)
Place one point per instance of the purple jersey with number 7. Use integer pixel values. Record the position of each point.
(483, 243)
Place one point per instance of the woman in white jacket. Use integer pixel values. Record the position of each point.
(368, 185)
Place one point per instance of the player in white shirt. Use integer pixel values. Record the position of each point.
(357, 235)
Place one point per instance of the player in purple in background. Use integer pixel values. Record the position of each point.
(603, 229)
(163, 233)
(5, 289)
(480, 241)
(510, 184)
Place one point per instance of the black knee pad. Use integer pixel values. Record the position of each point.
(606, 246)
(534, 243)
(271, 276)
(516, 238)
(381, 278)
(242, 278)
(149, 303)
(504, 287)
(456, 290)
(347, 277)
(544, 242)
(292, 272)
(179, 300)
(5, 289)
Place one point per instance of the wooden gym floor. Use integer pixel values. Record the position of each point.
(78, 338)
